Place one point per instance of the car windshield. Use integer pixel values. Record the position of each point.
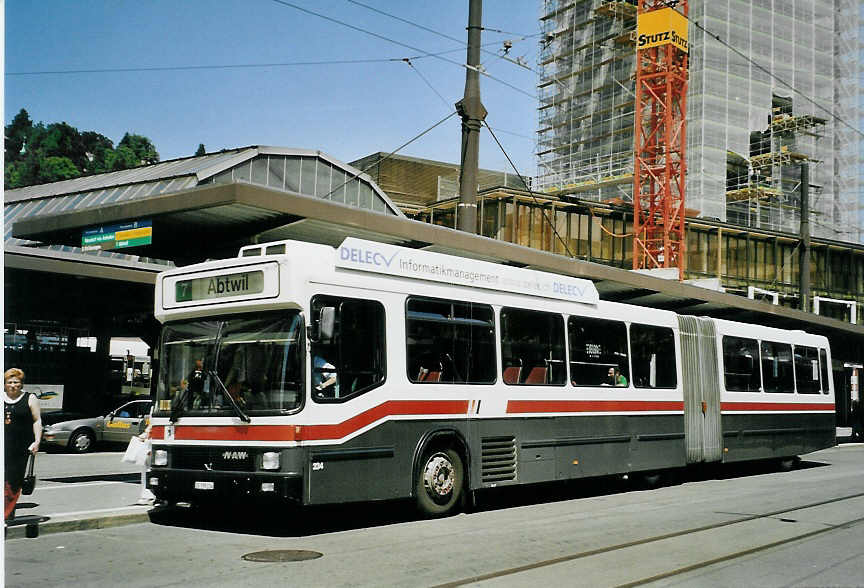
(253, 359)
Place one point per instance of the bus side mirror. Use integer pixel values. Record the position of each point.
(322, 330)
(326, 324)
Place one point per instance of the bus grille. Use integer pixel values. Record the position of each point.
(225, 459)
(498, 459)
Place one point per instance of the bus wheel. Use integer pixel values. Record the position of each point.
(440, 481)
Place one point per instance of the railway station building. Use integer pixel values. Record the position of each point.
(81, 255)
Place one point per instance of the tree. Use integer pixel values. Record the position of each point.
(96, 147)
(39, 153)
(16, 135)
(141, 146)
(200, 150)
(121, 158)
(54, 169)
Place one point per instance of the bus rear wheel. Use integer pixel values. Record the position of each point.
(440, 482)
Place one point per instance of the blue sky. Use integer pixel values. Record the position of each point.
(347, 110)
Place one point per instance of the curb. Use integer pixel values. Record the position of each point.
(64, 526)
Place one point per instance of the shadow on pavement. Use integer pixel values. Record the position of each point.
(132, 477)
(288, 522)
(317, 520)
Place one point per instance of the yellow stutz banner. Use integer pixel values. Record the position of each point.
(661, 27)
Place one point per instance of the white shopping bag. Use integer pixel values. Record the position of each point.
(136, 452)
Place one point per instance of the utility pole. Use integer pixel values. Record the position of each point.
(473, 113)
(804, 273)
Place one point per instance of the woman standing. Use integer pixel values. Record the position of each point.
(22, 434)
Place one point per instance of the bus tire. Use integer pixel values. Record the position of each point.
(439, 482)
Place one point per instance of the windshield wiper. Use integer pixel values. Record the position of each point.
(239, 411)
(177, 405)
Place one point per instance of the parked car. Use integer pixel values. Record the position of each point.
(58, 416)
(81, 435)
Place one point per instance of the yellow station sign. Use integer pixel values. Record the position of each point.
(661, 27)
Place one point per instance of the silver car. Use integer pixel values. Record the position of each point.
(81, 435)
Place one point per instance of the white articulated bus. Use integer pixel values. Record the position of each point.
(309, 374)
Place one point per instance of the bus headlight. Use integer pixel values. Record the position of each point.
(270, 460)
(160, 457)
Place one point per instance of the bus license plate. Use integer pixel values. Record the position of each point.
(203, 485)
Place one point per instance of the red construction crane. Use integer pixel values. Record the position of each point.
(660, 165)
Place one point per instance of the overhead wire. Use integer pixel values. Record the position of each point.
(428, 83)
(401, 44)
(391, 154)
(232, 65)
(530, 191)
(672, 3)
(460, 41)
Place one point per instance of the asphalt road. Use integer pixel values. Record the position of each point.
(752, 526)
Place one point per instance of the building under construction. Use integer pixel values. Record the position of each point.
(773, 86)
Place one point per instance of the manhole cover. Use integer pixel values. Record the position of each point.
(275, 555)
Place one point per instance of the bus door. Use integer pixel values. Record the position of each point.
(702, 431)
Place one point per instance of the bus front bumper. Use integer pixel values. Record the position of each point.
(194, 486)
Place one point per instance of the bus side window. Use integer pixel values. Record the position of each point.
(598, 347)
(741, 364)
(351, 360)
(449, 341)
(826, 373)
(653, 356)
(532, 347)
(777, 367)
(807, 370)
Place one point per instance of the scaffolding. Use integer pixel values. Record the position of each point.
(586, 109)
(585, 139)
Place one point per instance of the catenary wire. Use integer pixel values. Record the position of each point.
(428, 83)
(233, 65)
(460, 41)
(401, 44)
(392, 153)
(673, 3)
(530, 191)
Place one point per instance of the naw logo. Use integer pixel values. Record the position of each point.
(235, 455)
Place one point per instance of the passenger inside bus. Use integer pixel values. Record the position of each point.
(615, 378)
(325, 379)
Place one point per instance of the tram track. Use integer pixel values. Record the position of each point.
(504, 573)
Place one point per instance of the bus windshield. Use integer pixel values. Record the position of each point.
(245, 364)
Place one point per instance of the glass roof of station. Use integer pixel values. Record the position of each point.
(307, 172)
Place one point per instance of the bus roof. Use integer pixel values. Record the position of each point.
(391, 260)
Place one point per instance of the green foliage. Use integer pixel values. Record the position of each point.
(141, 146)
(200, 150)
(16, 134)
(55, 168)
(40, 153)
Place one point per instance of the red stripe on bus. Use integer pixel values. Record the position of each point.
(314, 432)
(790, 406)
(535, 406)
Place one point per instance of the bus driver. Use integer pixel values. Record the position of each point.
(325, 381)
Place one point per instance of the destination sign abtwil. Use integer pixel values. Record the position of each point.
(219, 286)
(131, 234)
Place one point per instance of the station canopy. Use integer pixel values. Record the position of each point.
(207, 207)
(290, 171)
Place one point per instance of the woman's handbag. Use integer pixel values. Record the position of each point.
(136, 452)
(29, 477)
